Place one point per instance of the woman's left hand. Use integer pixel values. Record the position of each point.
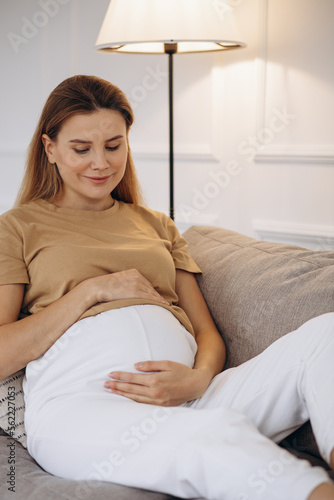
(170, 384)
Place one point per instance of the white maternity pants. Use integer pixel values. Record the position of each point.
(218, 447)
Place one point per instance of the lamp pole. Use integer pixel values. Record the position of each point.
(171, 49)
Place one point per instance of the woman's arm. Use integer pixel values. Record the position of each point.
(211, 353)
(27, 339)
(174, 383)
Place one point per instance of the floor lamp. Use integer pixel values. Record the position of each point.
(168, 27)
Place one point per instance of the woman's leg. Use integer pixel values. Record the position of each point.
(213, 454)
(290, 382)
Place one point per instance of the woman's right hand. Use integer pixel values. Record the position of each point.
(123, 285)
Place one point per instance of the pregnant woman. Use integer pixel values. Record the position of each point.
(124, 379)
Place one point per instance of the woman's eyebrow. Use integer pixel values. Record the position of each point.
(82, 141)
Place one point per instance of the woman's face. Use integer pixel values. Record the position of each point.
(91, 153)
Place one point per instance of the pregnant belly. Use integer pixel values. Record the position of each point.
(82, 358)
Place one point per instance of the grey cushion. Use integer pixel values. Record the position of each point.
(258, 291)
(32, 483)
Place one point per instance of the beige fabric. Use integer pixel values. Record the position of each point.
(258, 291)
(53, 249)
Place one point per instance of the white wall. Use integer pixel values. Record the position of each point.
(254, 128)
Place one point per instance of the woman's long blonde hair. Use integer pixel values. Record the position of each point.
(75, 95)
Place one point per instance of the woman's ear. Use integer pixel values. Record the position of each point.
(49, 148)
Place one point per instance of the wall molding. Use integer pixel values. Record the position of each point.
(184, 153)
(313, 236)
(292, 154)
(309, 154)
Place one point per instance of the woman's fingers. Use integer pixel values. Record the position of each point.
(126, 284)
(168, 384)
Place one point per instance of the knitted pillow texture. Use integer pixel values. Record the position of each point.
(12, 407)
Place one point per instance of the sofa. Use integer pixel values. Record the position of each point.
(257, 291)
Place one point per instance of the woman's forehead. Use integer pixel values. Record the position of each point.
(102, 124)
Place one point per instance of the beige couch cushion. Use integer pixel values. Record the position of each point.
(258, 291)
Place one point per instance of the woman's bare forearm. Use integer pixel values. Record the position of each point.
(27, 339)
(211, 352)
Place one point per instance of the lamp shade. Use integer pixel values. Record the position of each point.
(145, 26)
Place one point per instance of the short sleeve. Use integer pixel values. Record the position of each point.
(12, 265)
(181, 256)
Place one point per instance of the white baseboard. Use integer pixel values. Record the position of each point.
(314, 237)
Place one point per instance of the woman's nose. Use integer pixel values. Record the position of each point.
(100, 161)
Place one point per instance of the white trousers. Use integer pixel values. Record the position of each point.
(218, 447)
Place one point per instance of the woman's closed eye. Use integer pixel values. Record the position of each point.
(81, 151)
(108, 148)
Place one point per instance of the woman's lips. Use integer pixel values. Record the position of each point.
(98, 180)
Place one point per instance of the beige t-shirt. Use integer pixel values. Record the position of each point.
(52, 249)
